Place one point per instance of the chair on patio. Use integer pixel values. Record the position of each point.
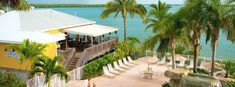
(86, 83)
(169, 63)
(111, 70)
(141, 73)
(127, 63)
(122, 65)
(190, 64)
(163, 61)
(154, 59)
(131, 61)
(181, 64)
(117, 67)
(201, 65)
(107, 73)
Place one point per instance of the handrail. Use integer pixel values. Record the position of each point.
(68, 53)
(96, 50)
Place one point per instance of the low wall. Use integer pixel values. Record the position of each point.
(183, 78)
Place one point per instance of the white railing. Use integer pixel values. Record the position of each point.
(56, 81)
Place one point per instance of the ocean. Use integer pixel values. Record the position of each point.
(136, 28)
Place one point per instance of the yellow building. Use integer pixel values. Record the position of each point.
(42, 26)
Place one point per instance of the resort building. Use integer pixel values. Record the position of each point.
(78, 39)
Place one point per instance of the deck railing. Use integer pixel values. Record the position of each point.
(68, 55)
(96, 50)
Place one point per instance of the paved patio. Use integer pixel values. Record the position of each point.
(130, 78)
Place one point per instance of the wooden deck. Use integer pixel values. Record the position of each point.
(75, 58)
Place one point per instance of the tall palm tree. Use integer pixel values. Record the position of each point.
(193, 12)
(28, 50)
(124, 7)
(15, 4)
(220, 16)
(155, 20)
(49, 67)
(165, 26)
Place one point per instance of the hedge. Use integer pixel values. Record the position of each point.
(94, 68)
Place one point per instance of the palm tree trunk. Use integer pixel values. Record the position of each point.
(214, 47)
(196, 45)
(226, 74)
(173, 46)
(124, 25)
(49, 84)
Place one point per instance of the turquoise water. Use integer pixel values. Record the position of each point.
(135, 27)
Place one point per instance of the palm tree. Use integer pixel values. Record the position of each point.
(28, 50)
(229, 68)
(194, 15)
(49, 67)
(15, 4)
(155, 19)
(165, 26)
(219, 16)
(132, 42)
(124, 7)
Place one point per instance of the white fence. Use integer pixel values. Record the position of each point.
(56, 81)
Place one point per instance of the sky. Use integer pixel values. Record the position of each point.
(99, 1)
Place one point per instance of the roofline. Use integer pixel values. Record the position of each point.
(10, 42)
(45, 30)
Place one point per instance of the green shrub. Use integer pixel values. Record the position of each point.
(94, 68)
(8, 79)
(230, 84)
(166, 84)
(180, 49)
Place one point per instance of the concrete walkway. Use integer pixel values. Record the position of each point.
(130, 78)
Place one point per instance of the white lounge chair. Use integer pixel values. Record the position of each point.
(201, 66)
(117, 67)
(107, 73)
(131, 61)
(181, 64)
(127, 63)
(220, 73)
(111, 70)
(190, 64)
(163, 61)
(154, 59)
(169, 63)
(122, 65)
(86, 83)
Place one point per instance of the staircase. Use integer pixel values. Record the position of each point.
(72, 64)
(79, 58)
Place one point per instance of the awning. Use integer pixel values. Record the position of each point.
(91, 30)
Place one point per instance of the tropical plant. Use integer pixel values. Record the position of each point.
(230, 84)
(9, 79)
(94, 68)
(15, 4)
(49, 67)
(194, 16)
(132, 43)
(124, 7)
(220, 16)
(229, 68)
(28, 50)
(166, 84)
(165, 26)
(156, 17)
